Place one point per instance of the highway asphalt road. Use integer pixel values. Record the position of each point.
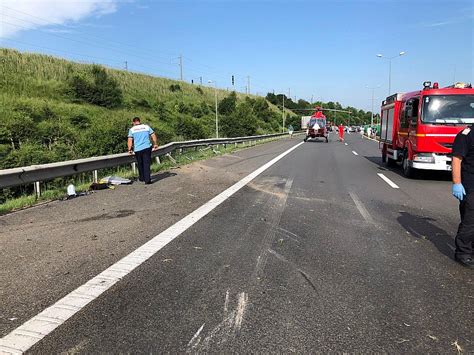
(318, 253)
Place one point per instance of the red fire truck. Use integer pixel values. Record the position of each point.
(418, 128)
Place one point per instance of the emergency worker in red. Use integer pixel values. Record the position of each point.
(341, 133)
(463, 190)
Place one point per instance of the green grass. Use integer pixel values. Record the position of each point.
(188, 156)
(38, 114)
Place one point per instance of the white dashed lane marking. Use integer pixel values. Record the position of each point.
(354, 152)
(388, 181)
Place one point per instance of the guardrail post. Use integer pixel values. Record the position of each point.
(134, 168)
(157, 159)
(94, 176)
(37, 189)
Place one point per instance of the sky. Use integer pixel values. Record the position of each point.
(325, 50)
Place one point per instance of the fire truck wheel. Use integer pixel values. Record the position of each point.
(408, 171)
(391, 163)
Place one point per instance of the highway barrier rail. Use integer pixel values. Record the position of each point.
(38, 173)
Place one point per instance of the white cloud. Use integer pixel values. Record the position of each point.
(23, 15)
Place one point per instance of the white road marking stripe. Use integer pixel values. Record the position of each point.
(388, 181)
(345, 143)
(362, 210)
(32, 331)
(354, 152)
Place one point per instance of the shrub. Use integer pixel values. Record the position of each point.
(189, 128)
(227, 105)
(80, 121)
(141, 103)
(101, 90)
(175, 87)
(242, 122)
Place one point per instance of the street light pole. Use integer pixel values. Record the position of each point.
(372, 111)
(283, 115)
(390, 68)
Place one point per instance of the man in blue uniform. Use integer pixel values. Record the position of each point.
(463, 190)
(139, 136)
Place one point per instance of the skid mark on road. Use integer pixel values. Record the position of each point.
(196, 338)
(362, 210)
(226, 304)
(229, 327)
(270, 233)
(306, 277)
(242, 305)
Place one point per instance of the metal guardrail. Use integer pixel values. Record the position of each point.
(36, 173)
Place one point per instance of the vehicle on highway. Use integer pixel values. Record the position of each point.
(418, 128)
(304, 121)
(316, 127)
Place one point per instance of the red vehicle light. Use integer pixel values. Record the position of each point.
(435, 86)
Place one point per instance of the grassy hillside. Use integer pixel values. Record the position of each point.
(53, 109)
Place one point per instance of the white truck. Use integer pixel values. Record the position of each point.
(304, 122)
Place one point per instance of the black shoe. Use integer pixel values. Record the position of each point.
(148, 183)
(465, 261)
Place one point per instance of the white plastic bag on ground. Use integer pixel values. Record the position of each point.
(115, 180)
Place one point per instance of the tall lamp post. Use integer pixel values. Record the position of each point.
(283, 115)
(390, 68)
(372, 111)
(217, 119)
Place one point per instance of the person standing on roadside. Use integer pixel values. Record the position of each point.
(341, 132)
(139, 137)
(463, 190)
(290, 131)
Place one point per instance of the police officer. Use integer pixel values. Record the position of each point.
(463, 190)
(139, 137)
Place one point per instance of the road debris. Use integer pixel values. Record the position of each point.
(166, 260)
(458, 347)
(432, 337)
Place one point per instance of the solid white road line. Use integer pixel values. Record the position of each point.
(362, 210)
(354, 152)
(32, 331)
(388, 181)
